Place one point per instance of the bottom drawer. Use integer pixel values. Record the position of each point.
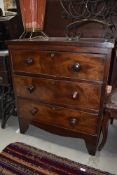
(74, 120)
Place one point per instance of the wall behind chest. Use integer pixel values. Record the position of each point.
(55, 23)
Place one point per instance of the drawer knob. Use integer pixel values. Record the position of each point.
(30, 88)
(28, 61)
(75, 95)
(73, 121)
(76, 67)
(52, 54)
(34, 111)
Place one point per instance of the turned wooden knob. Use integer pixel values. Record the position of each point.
(52, 54)
(34, 111)
(73, 121)
(76, 67)
(28, 61)
(30, 88)
(75, 95)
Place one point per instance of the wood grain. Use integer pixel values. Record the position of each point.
(59, 92)
(60, 64)
(58, 116)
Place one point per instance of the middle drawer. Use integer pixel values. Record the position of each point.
(75, 94)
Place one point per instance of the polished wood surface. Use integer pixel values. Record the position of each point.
(74, 120)
(60, 85)
(67, 93)
(65, 64)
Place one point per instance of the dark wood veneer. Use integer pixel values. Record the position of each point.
(59, 92)
(74, 120)
(60, 64)
(60, 85)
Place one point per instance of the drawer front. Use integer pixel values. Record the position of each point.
(71, 65)
(56, 116)
(59, 92)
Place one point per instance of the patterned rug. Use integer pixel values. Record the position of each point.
(21, 159)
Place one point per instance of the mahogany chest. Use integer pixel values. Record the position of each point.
(60, 85)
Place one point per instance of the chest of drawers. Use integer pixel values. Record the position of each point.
(60, 85)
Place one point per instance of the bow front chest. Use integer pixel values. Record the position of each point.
(60, 85)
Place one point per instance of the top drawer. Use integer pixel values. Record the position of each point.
(63, 64)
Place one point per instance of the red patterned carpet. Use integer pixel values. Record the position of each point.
(21, 159)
